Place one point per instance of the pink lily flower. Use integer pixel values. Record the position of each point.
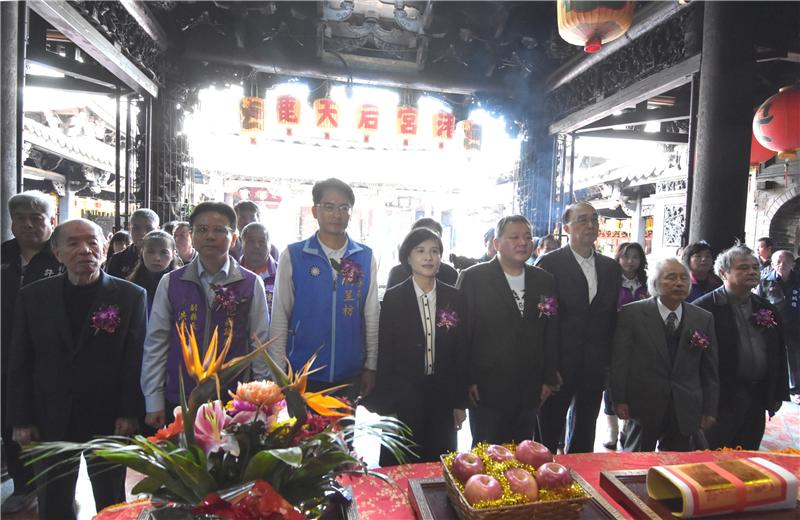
(209, 429)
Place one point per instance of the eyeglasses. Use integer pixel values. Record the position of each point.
(219, 231)
(330, 208)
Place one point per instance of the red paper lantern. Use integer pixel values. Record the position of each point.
(327, 115)
(288, 112)
(591, 24)
(473, 135)
(776, 124)
(368, 118)
(444, 124)
(407, 122)
(251, 115)
(759, 154)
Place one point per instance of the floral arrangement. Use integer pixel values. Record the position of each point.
(548, 306)
(226, 298)
(106, 318)
(447, 318)
(271, 444)
(700, 339)
(349, 270)
(764, 318)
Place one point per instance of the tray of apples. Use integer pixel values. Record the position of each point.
(511, 481)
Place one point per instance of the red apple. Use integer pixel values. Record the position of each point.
(553, 475)
(499, 453)
(465, 465)
(533, 453)
(482, 487)
(520, 481)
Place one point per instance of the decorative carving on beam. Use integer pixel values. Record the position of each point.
(117, 25)
(674, 221)
(657, 50)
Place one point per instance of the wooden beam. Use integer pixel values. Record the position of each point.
(67, 84)
(72, 68)
(639, 117)
(69, 21)
(659, 137)
(141, 13)
(653, 85)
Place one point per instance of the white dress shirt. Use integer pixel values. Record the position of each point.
(664, 311)
(589, 271)
(427, 311)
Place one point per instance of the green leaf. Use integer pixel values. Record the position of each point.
(265, 461)
(148, 485)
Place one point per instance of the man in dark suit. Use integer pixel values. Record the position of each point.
(401, 272)
(664, 365)
(588, 287)
(26, 258)
(512, 337)
(75, 361)
(752, 358)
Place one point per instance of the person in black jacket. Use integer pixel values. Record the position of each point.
(25, 258)
(421, 351)
(753, 374)
(74, 367)
(142, 222)
(401, 271)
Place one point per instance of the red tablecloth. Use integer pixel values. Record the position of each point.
(377, 500)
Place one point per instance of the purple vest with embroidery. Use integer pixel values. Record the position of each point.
(188, 302)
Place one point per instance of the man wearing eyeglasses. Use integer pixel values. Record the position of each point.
(587, 285)
(326, 299)
(204, 294)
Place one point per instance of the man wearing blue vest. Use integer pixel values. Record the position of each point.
(326, 299)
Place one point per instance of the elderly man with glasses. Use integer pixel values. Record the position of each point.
(326, 299)
(205, 294)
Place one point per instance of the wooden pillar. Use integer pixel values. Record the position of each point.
(725, 114)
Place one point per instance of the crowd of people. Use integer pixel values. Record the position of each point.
(693, 353)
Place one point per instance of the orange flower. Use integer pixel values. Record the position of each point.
(318, 401)
(211, 363)
(168, 432)
(259, 393)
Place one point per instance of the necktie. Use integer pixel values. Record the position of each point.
(672, 322)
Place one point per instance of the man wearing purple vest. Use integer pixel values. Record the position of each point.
(205, 293)
(326, 299)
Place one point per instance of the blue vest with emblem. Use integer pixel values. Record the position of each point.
(328, 313)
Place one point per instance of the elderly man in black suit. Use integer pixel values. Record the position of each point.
(664, 365)
(588, 287)
(76, 355)
(511, 336)
(752, 358)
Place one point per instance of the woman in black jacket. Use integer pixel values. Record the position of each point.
(421, 355)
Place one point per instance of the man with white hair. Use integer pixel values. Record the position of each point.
(664, 365)
(781, 287)
(752, 356)
(25, 258)
(76, 356)
(142, 221)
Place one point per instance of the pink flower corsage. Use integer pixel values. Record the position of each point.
(350, 271)
(106, 319)
(548, 306)
(765, 319)
(700, 339)
(447, 318)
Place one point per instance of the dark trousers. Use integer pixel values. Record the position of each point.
(496, 426)
(793, 358)
(17, 470)
(743, 421)
(56, 491)
(667, 435)
(431, 423)
(584, 404)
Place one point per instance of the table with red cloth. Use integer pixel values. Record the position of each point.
(377, 500)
